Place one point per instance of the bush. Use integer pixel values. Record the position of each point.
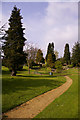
(44, 65)
(58, 66)
(50, 62)
(70, 66)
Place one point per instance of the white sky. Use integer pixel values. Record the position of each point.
(47, 22)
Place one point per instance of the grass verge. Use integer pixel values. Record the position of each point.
(66, 106)
(23, 87)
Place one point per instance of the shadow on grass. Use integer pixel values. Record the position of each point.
(37, 76)
(5, 72)
(36, 68)
(11, 85)
(24, 69)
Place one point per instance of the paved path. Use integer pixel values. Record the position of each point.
(31, 108)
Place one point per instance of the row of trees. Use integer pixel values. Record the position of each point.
(14, 56)
(73, 58)
(34, 56)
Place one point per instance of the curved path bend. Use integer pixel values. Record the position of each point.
(33, 107)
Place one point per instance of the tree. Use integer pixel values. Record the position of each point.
(2, 34)
(67, 54)
(50, 62)
(13, 48)
(61, 60)
(50, 50)
(58, 66)
(56, 54)
(39, 57)
(31, 52)
(76, 54)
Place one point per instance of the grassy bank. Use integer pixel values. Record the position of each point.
(66, 106)
(23, 87)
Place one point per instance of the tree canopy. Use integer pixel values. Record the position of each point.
(39, 56)
(76, 54)
(67, 54)
(31, 52)
(50, 50)
(50, 62)
(50, 55)
(56, 54)
(13, 47)
(58, 66)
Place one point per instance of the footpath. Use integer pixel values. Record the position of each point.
(33, 107)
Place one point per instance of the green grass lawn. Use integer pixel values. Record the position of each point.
(23, 87)
(66, 106)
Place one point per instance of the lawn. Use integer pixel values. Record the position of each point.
(23, 87)
(66, 106)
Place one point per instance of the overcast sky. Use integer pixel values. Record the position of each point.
(46, 22)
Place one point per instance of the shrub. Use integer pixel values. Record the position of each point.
(58, 66)
(70, 66)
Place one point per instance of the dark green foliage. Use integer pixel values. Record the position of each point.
(39, 57)
(50, 62)
(13, 49)
(50, 50)
(67, 54)
(76, 54)
(58, 66)
(50, 57)
(61, 60)
(31, 63)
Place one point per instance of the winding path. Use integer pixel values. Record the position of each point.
(33, 107)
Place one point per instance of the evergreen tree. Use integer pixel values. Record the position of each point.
(67, 54)
(58, 66)
(50, 50)
(76, 54)
(50, 62)
(39, 57)
(13, 48)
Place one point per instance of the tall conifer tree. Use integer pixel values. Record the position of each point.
(50, 50)
(67, 54)
(76, 54)
(39, 56)
(13, 48)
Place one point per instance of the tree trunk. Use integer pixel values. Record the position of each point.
(13, 73)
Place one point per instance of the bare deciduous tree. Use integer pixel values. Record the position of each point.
(2, 34)
(31, 54)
